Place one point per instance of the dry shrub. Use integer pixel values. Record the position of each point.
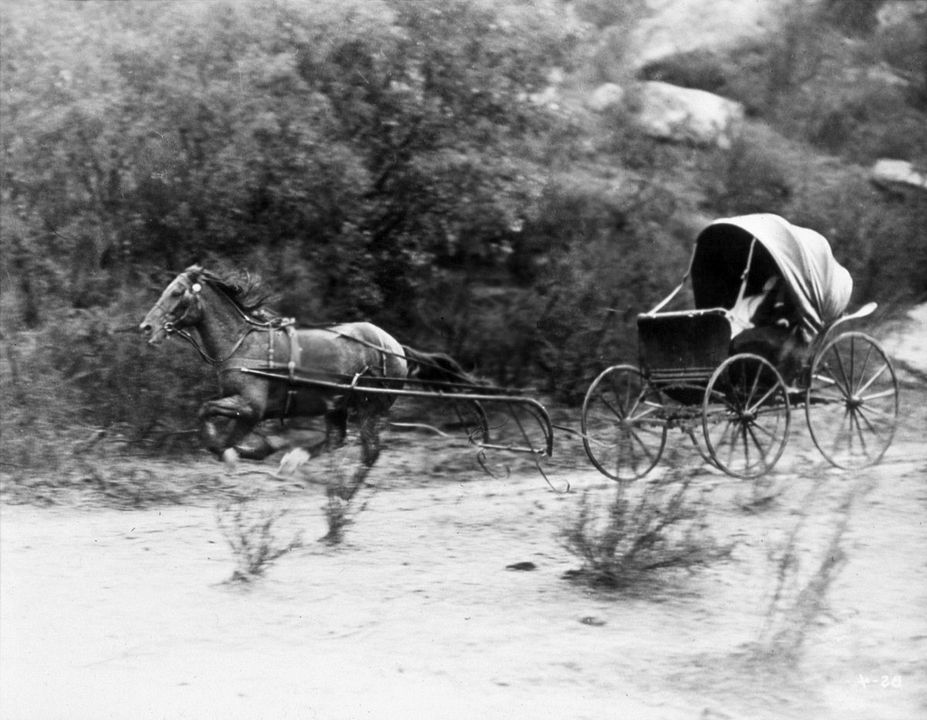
(249, 531)
(340, 475)
(806, 567)
(651, 526)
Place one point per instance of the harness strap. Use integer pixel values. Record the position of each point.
(295, 355)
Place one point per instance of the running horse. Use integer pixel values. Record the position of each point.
(231, 328)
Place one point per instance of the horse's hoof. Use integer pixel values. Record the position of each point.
(292, 460)
(230, 458)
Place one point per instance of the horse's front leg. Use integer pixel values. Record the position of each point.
(225, 423)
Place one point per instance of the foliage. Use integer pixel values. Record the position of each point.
(651, 527)
(371, 138)
(748, 177)
(249, 531)
(389, 160)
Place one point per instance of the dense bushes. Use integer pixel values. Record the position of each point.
(382, 160)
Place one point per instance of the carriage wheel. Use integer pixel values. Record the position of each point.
(745, 416)
(851, 403)
(622, 422)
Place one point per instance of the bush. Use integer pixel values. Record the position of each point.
(652, 526)
(748, 177)
(249, 531)
(93, 370)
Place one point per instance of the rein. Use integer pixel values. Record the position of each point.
(170, 328)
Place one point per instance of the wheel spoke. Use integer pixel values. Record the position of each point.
(859, 433)
(732, 445)
(871, 380)
(830, 398)
(875, 429)
(746, 441)
(615, 411)
(769, 393)
(643, 446)
(846, 382)
(862, 370)
(756, 384)
(758, 444)
(844, 423)
(764, 430)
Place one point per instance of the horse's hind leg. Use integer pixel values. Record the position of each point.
(336, 427)
(370, 427)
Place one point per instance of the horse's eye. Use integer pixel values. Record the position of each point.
(177, 293)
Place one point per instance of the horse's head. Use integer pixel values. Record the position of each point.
(178, 307)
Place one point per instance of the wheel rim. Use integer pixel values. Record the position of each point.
(851, 404)
(745, 416)
(624, 430)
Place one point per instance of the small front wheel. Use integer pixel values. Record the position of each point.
(851, 403)
(624, 431)
(745, 416)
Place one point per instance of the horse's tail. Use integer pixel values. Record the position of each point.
(435, 366)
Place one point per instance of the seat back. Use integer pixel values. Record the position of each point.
(679, 351)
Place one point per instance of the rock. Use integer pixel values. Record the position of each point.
(526, 565)
(900, 12)
(680, 26)
(892, 173)
(605, 96)
(685, 115)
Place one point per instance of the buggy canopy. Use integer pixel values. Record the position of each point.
(818, 285)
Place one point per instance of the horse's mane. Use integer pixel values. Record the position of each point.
(241, 287)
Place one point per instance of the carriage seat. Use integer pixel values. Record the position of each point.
(680, 350)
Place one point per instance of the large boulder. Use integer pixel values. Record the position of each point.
(672, 27)
(900, 12)
(897, 174)
(685, 115)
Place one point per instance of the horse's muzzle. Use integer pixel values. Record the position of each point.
(154, 337)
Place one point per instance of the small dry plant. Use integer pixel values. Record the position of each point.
(345, 478)
(801, 596)
(650, 526)
(250, 533)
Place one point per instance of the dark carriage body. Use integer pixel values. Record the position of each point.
(679, 351)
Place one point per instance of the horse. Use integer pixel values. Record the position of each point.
(229, 324)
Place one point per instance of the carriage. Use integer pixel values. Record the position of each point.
(767, 337)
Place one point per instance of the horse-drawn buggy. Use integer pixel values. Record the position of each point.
(765, 337)
(761, 340)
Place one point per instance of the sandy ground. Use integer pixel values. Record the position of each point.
(113, 608)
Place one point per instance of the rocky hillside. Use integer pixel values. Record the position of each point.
(695, 71)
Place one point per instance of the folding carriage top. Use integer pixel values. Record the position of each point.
(736, 258)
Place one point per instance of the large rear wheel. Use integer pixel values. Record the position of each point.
(851, 403)
(624, 431)
(745, 416)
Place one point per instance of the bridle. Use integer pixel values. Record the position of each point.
(176, 326)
